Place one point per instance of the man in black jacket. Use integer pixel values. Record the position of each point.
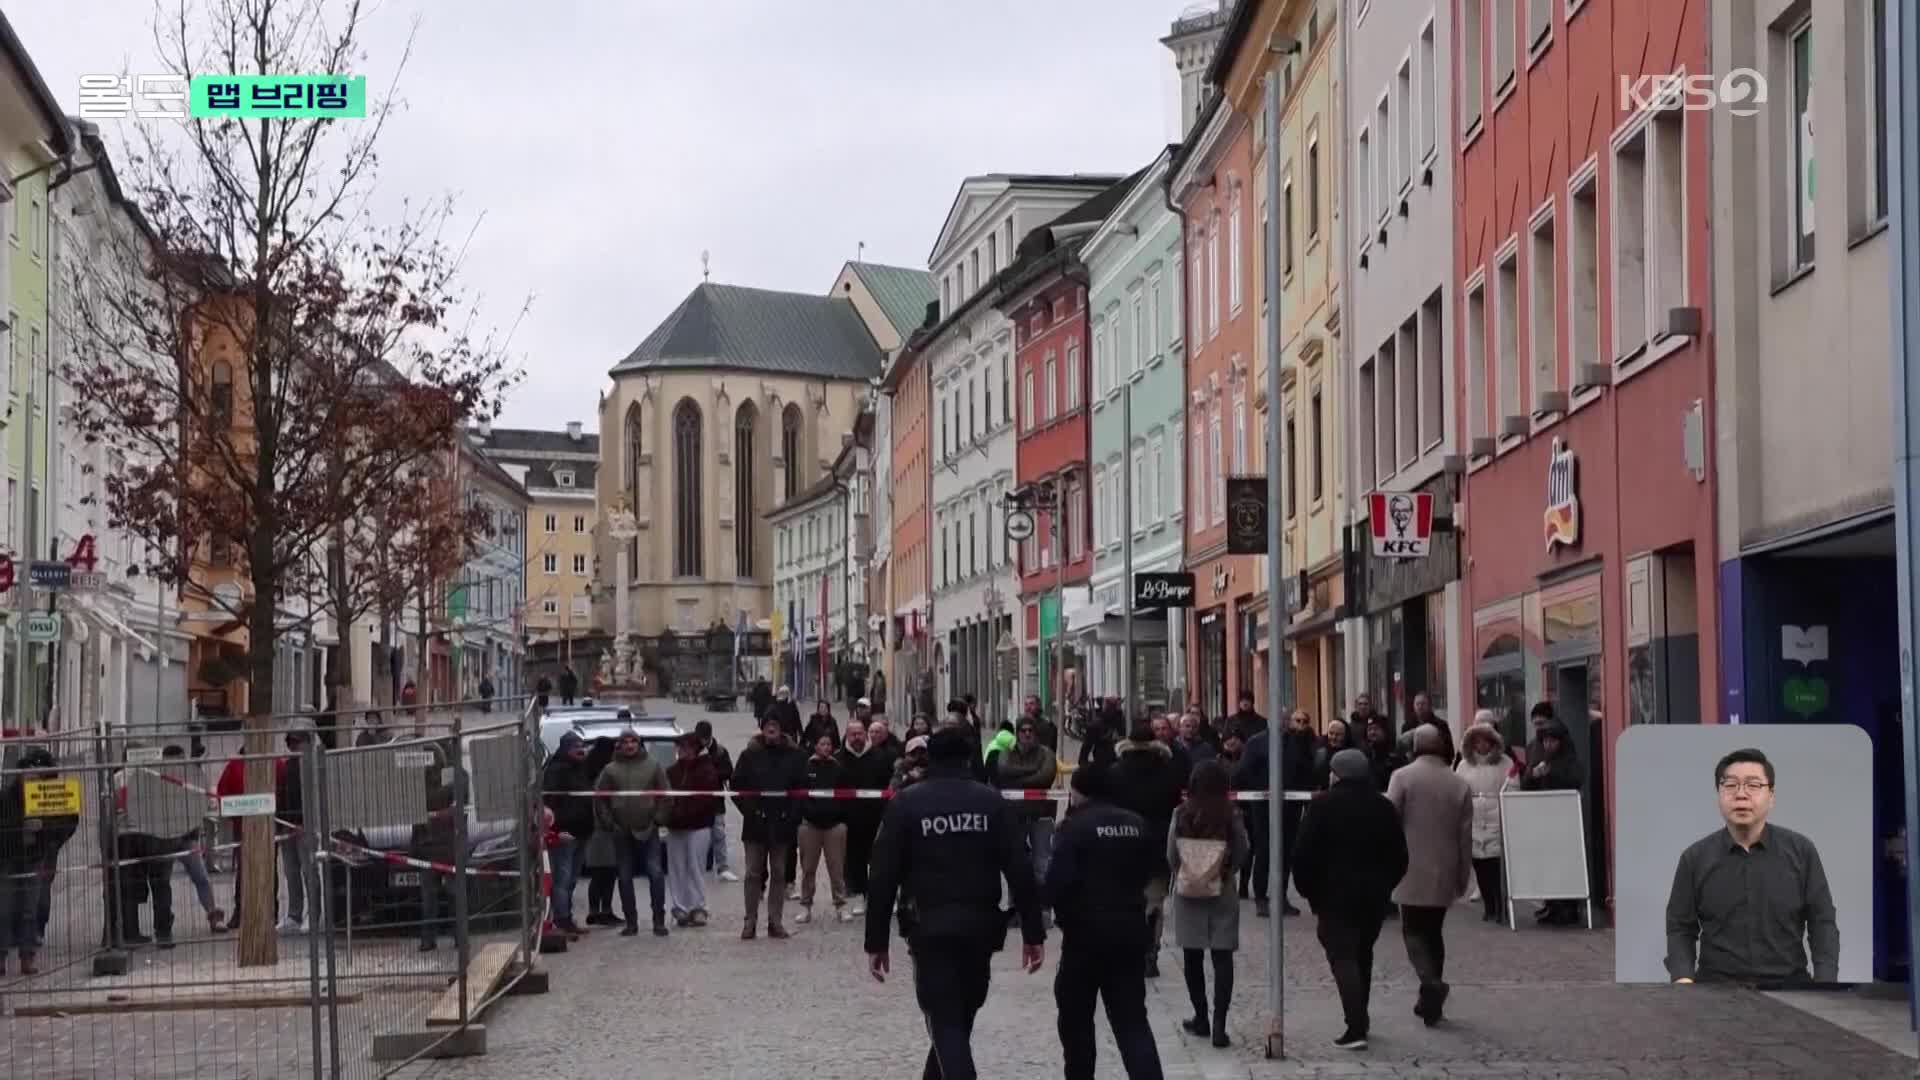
(771, 825)
(29, 853)
(1245, 719)
(566, 772)
(946, 843)
(1351, 854)
(1144, 781)
(862, 766)
(1103, 857)
(1553, 765)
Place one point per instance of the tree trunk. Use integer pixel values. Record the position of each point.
(258, 943)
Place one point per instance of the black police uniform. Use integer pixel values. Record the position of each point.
(1103, 856)
(945, 843)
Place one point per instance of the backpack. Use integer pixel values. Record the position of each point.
(1203, 867)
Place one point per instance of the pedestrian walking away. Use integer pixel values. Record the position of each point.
(1351, 854)
(1205, 846)
(1144, 781)
(768, 827)
(1436, 814)
(635, 823)
(1096, 886)
(945, 844)
(690, 829)
(569, 685)
(566, 775)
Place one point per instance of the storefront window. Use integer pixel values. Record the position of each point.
(1571, 623)
(1500, 679)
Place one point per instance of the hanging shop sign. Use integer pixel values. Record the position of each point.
(1162, 591)
(1247, 515)
(1563, 498)
(1401, 523)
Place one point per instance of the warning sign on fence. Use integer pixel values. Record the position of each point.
(51, 798)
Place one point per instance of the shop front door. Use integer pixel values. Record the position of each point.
(1573, 706)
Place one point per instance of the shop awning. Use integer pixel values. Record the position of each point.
(110, 622)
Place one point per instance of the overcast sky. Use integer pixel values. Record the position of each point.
(608, 144)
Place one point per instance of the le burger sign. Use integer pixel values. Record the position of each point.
(1158, 590)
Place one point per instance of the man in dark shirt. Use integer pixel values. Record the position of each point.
(1750, 897)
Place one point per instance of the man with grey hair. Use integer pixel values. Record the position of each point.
(1436, 814)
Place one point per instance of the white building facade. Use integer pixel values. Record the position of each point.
(969, 353)
(123, 657)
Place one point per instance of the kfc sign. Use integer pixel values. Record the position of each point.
(1401, 523)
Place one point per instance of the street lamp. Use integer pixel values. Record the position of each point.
(1049, 496)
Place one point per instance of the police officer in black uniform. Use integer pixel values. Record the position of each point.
(1103, 856)
(945, 843)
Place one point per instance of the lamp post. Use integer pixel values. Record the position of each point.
(622, 528)
(1049, 496)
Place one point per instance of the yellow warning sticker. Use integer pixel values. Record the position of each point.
(51, 798)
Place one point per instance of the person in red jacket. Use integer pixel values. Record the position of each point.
(690, 829)
(233, 781)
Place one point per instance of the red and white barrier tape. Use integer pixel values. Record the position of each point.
(1014, 794)
(394, 858)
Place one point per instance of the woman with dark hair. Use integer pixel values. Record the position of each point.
(821, 723)
(1206, 844)
(600, 860)
(920, 725)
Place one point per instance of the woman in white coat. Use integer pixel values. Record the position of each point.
(1488, 770)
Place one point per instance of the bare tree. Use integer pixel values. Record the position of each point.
(291, 370)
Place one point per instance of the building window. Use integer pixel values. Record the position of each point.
(1506, 314)
(1383, 185)
(564, 479)
(986, 397)
(1233, 248)
(1429, 81)
(553, 524)
(1649, 232)
(1154, 343)
(1137, 337)
(1218, 482)
(1475, 364)
(1313, 189)
(993, 253)
(1006, 388)
(1100, 507)
(745, 515)
(550, 606)
(1316, 433)
(1156, 478)
(220, 400)
(1239, 432)
(550, 563)
(579, 523)
(1369, 419)
(790, 447)
(973, 543)
(1870, 118)
(1198, 484)
(1363, 186)
(1800, 145)
(1583, 273)
(1213, 272)
(1505, 35)
(1027, 414)
(1290, 468)
(1539, 25)
(1386, 453)
(1138, 513)
(1407, 368)
(687, 491)
(1473, 36)
(1403, 109)
(1286, 225)
(1432, 375)
(1195, 332)
(1543, 311)
(1073, 376)
(1053, 385)
(580, 566)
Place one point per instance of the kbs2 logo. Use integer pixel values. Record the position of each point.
(1741, 91)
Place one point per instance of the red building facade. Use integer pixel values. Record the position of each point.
(1583, 337)
(1047, 302)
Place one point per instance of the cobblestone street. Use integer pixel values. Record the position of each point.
(1529, 1004)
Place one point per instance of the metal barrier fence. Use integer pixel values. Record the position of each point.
(400, 882)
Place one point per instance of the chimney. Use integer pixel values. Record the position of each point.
(573, 430)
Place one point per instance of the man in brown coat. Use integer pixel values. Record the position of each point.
(1436, 813)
